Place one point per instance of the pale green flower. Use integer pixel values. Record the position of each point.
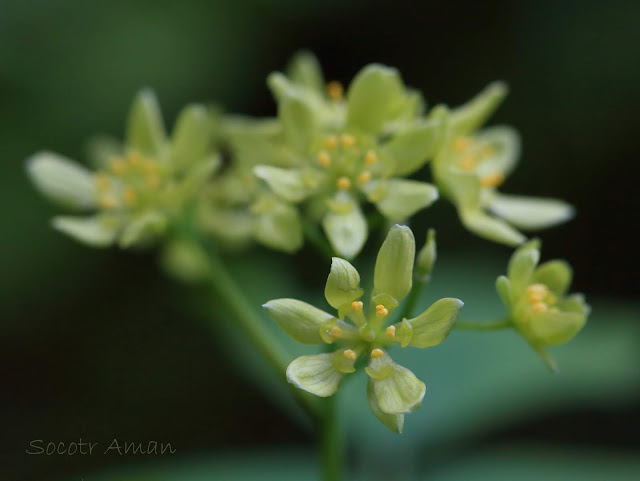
(363, 333)
(234, 206)
(139, 187)
(537, 300)
(472, 163)
(346, 149)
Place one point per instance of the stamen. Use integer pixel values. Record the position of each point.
(324, 159)
(335, 332)
(539, 307)
(350, 354)
(364, 177)
(376, 353)
(492, 180)
(108, 201)
(118, 165)
(102, 181)
(347, 140)
(468, 162)
(391, 332)
(460, 144)
(331, 142)
(356, 306)
(334, 89)
(343, 183)
(370, 158)
(129, 195)
(381, 310)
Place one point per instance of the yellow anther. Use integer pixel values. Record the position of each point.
(468, 162)
(376, 353)
(331, 142)
(492, 180)
(324, 159)
(381, 310)
(108, 201)
(370, 158)
(356, 306)
(379, 307)
(391, 332)
(364, 177)
(135, 158)
(343, 183)
(460, 144)
(335, 331)
(334, 89)
(539, 307)
(487, 151)
(118, 165)
(347, 140)
(102, 181)
(350, 354)
(129, 195)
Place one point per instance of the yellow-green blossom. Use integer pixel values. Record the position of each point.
(471, 164)
(348, 148)
(363, 332)
(537, 300)
(139, 187)
(235, 207)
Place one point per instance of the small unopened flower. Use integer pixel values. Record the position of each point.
(349, 148)
(471, 164)
(363, 332)
(537, 300)
(140, 186)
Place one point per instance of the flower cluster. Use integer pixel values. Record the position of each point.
(139, 187)
(537, 301)
(363, 333)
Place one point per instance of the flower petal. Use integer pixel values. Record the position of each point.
(522, 264)
(145, 129)
(531, 213)
(433, 326)
(305, 70)
(405, 197)
(426, 257)
(396, 388)
(192, 135)
(315, 374)
(143, 229)
(375, 95)
(62, 180)
(470, 116)
(504, 144)
(393, 273)
(395, 422)
(552, 328)
(503, 286)
(287, 183)
(412, 147)
(490, 228)
(347, 231)
(556, 275)
(92, 231)
(279, 227)
(343, 283)
(300, 320)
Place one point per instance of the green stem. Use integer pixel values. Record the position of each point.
(412, 299)
(252, 324)
(331, 441)
(484, 326)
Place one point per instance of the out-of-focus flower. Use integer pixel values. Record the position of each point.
(361, 332)
(471, 164)
(139, 187)
(235, 207)
(346, 148)
(537, 300)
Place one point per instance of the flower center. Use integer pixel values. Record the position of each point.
(540, 299)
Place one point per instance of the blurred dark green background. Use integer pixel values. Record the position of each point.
(99, 345)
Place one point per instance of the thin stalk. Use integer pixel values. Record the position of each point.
(252, 324)
(412, 299)
(484, 326)
(331, 441)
